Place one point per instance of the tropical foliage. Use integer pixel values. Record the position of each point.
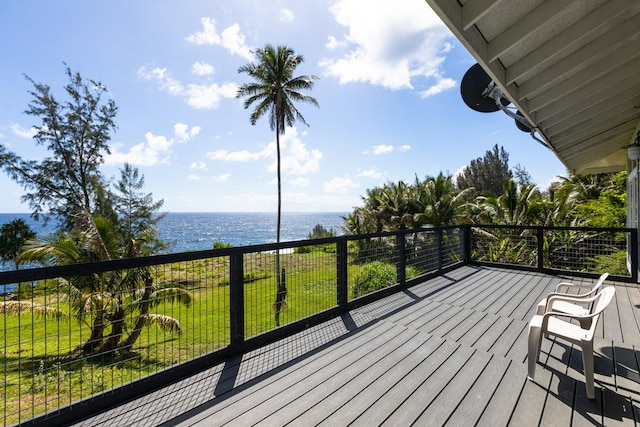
(115, 302)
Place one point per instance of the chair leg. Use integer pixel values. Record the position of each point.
(534, 346)
(587, 362)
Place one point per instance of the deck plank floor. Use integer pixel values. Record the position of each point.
(449, 351)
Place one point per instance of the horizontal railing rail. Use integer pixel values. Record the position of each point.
(78, 338)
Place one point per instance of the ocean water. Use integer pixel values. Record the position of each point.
(198, 231)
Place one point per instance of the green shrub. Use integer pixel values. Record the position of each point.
(614, 263)
(377, 275)
(373, 276)
(221, 245)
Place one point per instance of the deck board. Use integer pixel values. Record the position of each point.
(446, 402)
(448, 351)
(471, 408)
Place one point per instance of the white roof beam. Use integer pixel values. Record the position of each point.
(527, 25)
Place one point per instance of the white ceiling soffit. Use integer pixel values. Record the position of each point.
(571, 67)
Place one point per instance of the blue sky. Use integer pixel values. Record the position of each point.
(388, 88)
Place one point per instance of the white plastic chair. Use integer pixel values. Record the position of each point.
(567, 288)
(551, 323)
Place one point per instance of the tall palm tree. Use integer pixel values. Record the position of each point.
(274, 90)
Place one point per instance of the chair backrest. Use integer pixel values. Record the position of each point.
(604, 298)
(599, 283)
(601, 301)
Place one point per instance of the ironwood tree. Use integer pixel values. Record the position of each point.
(75, 131)
(487, 174)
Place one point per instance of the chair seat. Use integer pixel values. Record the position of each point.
(563, 307)
(570, 331)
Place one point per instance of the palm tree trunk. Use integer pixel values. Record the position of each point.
(117, 325)
(97, 335)
(281, 288)
(144, 310)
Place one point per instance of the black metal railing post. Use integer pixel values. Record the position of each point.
(401, 258)
(633, 253)
(439, 247)
(467, 243)
(540, 234)
(236, 298)
(342, 290)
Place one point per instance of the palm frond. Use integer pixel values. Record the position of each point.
(171, 295)
(166, 323)
(43, 311)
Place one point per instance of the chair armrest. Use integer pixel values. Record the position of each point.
(574, 299)
(564, 287)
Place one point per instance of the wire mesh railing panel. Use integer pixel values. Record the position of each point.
(512, 246)
(372, 265)
(67, 338)
(305, 286)
(587, 251)
(452, 247)
(421, 253)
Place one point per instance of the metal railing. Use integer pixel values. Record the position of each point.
(85, 336)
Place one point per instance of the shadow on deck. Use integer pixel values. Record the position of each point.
(449, 351)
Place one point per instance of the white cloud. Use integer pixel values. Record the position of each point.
(222, 178)
(394, 44)
(231, 38)
(404, 148)
(209, 96)
(333, 43)
(296, 158)
(339, 185)
(19, 131)
(194, 177)
(182, 132)
(163, 78)
(459, 171)
(155, 149)
(286, 15)
(370, 173)
(234, 156)
(382, 149)
(300, 181)
(208, 34)
(197, 96)
(199, 166)
(202, 69)
(234, 41)
(440, 86)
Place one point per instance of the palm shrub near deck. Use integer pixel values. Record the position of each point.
(106, 302)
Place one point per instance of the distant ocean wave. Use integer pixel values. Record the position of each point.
(198, 231)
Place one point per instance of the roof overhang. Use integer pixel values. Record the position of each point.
(572, 68)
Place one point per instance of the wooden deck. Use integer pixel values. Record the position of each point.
(450, 351)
